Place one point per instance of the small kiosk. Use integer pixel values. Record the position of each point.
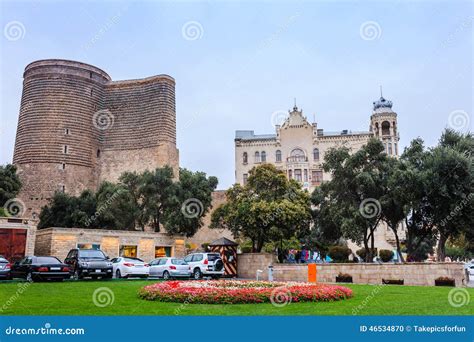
(228, 251)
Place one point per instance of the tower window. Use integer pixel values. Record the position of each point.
(278, 156)
(63, 166)
(245, 158)
(385, 128)
(65, 149)
(63, 188)
(263, 157)
(390, 148)
(98, 153)
(66, 131)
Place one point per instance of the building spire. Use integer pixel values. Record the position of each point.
(381, 96)
(294, 107)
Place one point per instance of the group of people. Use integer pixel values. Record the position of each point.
(303, 256)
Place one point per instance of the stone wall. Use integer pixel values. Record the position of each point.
(58, 241)
(249, 263)
(412, 273)
(206, 234)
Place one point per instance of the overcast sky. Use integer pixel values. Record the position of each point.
(236, 63)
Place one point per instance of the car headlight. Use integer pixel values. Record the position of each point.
(109, 264)
(84, 264)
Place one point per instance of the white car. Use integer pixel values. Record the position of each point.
(124, 267)
(167, 268)
(205, 264)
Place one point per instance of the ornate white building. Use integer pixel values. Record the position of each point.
(298, 148)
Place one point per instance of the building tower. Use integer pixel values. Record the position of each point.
(78, 128)
(383, 124)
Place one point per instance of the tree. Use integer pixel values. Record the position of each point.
(10, 185)
(269, 208)
(450, 175)
(351, 200)
(192, 201)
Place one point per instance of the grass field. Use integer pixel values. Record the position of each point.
(76, 298)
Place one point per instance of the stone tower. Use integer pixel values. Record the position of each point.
(78, 128)
(383, 124)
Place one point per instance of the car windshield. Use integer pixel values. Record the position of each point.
(213, 257)
(47, 260)
(91, 254)
(132, 259)
(178, 262)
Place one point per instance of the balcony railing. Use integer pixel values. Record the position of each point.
(297, 159)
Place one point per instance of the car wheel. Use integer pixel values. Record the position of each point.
(29, 277)
(118, 275)
(197, 274)
(166, 275)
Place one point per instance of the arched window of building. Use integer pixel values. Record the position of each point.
(290, 174)
(278, 156)
(297, 155)
(263, 157)
(390, 148)
(316, 154)
(377, 133)
(257, 157)
(385, 128)
(245, 158)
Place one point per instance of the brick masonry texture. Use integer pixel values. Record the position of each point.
(412, 273)
(61, 104)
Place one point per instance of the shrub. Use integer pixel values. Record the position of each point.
(386, 255)
(445, 281)
(339, 253)
(205, 246)
(362, 253)
(246, 249)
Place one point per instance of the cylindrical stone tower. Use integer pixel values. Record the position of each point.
(78, 128)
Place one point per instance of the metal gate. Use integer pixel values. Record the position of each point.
(13, 243)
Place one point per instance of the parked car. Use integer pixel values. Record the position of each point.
(34, 268)
(167, 268)
(5, 268)
(205, 264)
(130, 267)
(89, 263)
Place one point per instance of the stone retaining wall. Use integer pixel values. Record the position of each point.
(412, 273)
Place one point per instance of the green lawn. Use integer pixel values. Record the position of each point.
(75, 298)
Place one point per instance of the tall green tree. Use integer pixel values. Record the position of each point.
(351, 200)
(269, 208)
(191, 202)
(450, 185)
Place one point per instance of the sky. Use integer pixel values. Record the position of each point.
(237, 63)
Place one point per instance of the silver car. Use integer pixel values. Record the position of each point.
(167, 268)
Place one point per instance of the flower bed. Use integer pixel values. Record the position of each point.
(241, 292)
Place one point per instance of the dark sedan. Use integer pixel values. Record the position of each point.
(34, 268)
(5, 268)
